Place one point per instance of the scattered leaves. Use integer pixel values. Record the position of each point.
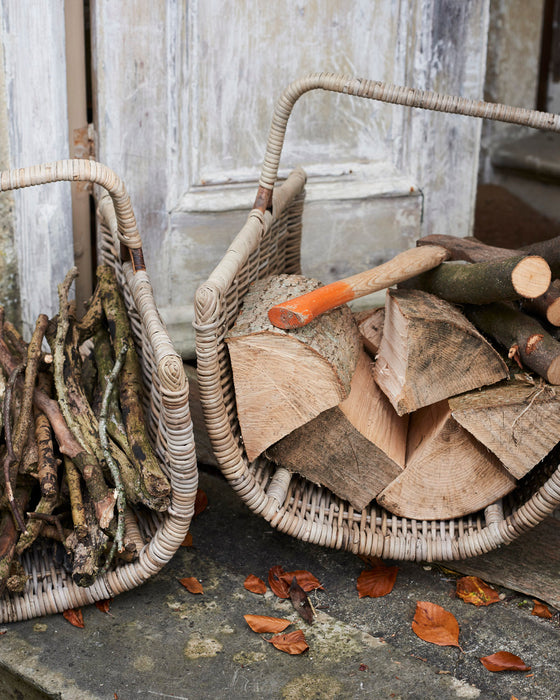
(103, 605)
(192, 584)
(200, 501)
(377, 581)
(74, 617)
(263, 623)
(188, 541)
(291, 643)
(504, 661)
(473, 590)
(300, 601)
(280, 580)
(434, 624)
(254, 584)
(540, 610)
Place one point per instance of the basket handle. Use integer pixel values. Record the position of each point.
(383, 92)
(82, 169)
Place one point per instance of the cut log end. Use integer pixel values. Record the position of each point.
(531, 277)
(553, 373)
(553, 313)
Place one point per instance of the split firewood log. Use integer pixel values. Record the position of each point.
(370, 324)
(448, 473)
(518, 420)
(354, 449)
(283, 379)
(430, 351)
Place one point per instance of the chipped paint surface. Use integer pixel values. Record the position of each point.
(185, 107)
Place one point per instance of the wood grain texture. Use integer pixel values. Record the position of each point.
(284, 379)
(430, 351)
(35, 81)
(370, 325)
(519, 422)
(448, 473)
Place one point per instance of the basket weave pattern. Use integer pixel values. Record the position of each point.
(50, 588)
(268, 244)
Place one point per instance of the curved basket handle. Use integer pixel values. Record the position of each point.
(383, 92)
(81, 169)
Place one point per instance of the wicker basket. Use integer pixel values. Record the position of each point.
(269, 243)
(50, 588)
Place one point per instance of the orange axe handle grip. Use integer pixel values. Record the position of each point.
(299, 311)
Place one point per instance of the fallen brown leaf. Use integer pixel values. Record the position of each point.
(74, 617)
(192, 584)
(200, 501)
(263, 623)
(254, 584)
(280, 581)
(540, 610)
(377, 581)
(300, 601)
(504, 661)
(277, 584)
(305, 579)
(473, 590)
(434, 624)
(188, 541)
(104, 605)
(291, 643)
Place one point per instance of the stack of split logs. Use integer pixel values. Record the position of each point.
(76, 459)
(434, 405)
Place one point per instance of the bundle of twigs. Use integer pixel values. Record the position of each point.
(75, 454)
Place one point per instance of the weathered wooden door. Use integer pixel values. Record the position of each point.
(183, 94)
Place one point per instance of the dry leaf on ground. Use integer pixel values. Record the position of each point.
(263, 623)
(192, 584)
(200, 501)
(434, 624)
(504, 661)
(300, 601)
(473, 590)
(377, 581)
(188, 541)
(291, 643)
(254, 584)
(74, 617)
(540, 610)
(280, 580)
(104, 605)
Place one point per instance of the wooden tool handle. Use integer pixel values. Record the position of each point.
(299, 311)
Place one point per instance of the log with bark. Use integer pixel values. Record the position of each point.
(546, 305)
(485, 282)
(354, 449)
(429, 351)
(283, 379)
(524, 338)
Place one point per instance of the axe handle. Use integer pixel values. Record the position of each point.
(299, 311)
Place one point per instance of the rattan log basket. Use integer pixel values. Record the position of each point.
(50, 588)
(269, 243)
